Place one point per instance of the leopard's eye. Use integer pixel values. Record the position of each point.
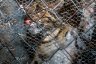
(66, 33)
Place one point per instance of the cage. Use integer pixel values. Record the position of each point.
(47, 32)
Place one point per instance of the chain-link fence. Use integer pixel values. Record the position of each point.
(47, 32)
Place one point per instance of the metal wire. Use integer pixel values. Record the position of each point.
(59, 20)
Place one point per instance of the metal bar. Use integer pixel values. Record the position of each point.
(10, 51)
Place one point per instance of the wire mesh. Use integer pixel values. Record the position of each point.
(47, 31)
